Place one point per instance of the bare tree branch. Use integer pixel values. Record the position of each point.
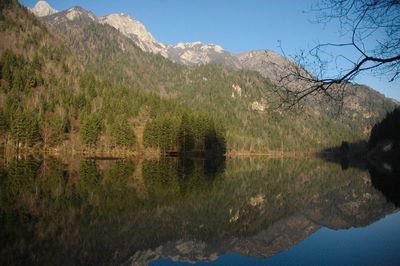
(373, 28)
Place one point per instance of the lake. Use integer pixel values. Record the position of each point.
(253, 211)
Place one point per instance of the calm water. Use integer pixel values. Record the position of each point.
(202, 212)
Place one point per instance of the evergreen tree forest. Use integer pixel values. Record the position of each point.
(185, 133)
(387, 130)
(75, 88)
(51, 100)
(102, 114)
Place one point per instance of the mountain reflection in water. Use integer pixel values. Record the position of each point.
(137, 212)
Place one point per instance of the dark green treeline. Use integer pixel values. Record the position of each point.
(387, 129)
(185, 133)
(100, 114)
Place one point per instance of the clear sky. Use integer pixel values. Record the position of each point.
(236, 25)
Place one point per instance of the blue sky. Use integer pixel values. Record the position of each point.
(236, 25)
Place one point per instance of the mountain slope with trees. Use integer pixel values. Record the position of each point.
(48, 99)
(245, 100)
(96, 89)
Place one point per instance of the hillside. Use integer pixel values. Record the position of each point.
(245, 100)
(105, 79)
(49, 101)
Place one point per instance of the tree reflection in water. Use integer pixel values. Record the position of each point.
(94, 212)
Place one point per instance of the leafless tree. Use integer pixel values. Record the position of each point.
(373, 31)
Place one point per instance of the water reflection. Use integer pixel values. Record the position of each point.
(134, 212)
(386, 178)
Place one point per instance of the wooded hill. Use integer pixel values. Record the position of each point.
(78, 83)
(48, 99)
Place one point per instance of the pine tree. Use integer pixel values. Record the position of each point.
(185, 134)
(18, 81)
(8, 61)
(24, 128)
(53, 130)
(3, 121)
(36, 63)
(122, 134)
(91, 129)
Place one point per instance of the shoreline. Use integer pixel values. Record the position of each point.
(275, 154)
(147, 153)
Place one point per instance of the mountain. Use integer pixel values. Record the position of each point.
(42, 9)
(268, 63)
(244, 100)
(68, 77)
(136, 31)
(76, 14)
(50, 100)
(192, 54)
(197, 53)
(86, 71)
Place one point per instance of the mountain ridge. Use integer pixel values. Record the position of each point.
(42, 9)
(188, 53)
(113, 65)
(134, 30)
(247, 94)
(268, 63)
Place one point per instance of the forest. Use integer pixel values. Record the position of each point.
(74, 89)
(68, 113)
(388, 129)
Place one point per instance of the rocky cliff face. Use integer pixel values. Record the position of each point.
(136, 31)
(193, 54)
(268, 63)
(74, 14)
(42, 9)
(197, 53)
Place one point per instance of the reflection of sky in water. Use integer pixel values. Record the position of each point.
(376, 244)
(127, 211)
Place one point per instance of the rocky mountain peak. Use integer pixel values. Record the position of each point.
(127, 25)
(268, 63)
(197, 53)
(76, 15)
(190, 53)
(42, 9)
(199, 46)
(77, 12)
(134, 30)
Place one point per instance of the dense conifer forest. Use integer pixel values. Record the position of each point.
(388, 129)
